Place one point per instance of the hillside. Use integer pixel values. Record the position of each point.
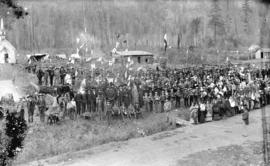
(55, 25)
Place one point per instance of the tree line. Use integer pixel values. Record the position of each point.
(205, 24)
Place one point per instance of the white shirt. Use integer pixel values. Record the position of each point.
(232, 102)
(202, 107)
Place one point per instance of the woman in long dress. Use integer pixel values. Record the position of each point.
(194, 113)
(209, 110)
(202, 112)
(157, 103)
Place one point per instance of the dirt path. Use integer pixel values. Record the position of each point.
(167, 148)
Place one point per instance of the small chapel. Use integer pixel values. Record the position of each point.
(7, 50)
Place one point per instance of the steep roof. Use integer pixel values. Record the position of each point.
(5, 44)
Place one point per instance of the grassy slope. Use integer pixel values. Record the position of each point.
(44, 141)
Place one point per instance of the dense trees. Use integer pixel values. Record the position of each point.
(206, 24)
(10, 10)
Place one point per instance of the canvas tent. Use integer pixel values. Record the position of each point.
(37, 57)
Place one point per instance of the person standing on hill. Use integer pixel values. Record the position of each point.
(51, 75)
(31, 108)
(245, 115)
(41, 107)
(46, 77)
(73, 75)
(62, 75)
(78, 100)
(40, 74)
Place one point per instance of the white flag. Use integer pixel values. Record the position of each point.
(2, 25)
(117, 45)
(93, 66)
(78, 40)
(110, 63)
(165, 40)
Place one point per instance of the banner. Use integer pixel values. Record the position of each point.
(110, 63)
(93, 66)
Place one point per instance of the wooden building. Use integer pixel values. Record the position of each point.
(138, 57)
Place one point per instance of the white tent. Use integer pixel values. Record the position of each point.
(62, 56)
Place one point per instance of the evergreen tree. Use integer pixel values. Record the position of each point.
(12, 7)
(216, 22)
(247, 11)
(10, 11)
(15, 131)
(264, 29)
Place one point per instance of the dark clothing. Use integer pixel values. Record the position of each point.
(78, 100)
(51, 75)
(245, 117)
(62, 75)
(40, 74)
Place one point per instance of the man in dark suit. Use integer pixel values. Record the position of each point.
(78, 100)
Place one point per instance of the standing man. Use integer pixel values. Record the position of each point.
(93, 100)
(46, 77)
(40, 74)
(41, 107)
(88, 100)
(73, 75)
(62, 75)
(31, 108)
(245, 115)
(78, 101)
(84, 102)
(51, 74)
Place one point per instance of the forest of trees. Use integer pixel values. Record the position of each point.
(217, 24)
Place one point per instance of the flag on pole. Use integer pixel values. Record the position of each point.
(78, 40)
(126, 74)
(99, 59)
(165, 42)
(93, 66)
(110, 63)
(165, 39)
(2, 25)
(117, 45)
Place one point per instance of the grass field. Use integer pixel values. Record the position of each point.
(44, 141)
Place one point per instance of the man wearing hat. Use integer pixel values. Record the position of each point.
(31, 108)
(245, 115)
(51, 75)
(40, 74)
(62, 73)
(41, 107)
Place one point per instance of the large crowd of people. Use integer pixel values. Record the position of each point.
(210, 92)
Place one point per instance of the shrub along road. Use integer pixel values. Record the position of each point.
(225, 142)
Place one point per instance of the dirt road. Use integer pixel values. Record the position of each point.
(174, 147)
